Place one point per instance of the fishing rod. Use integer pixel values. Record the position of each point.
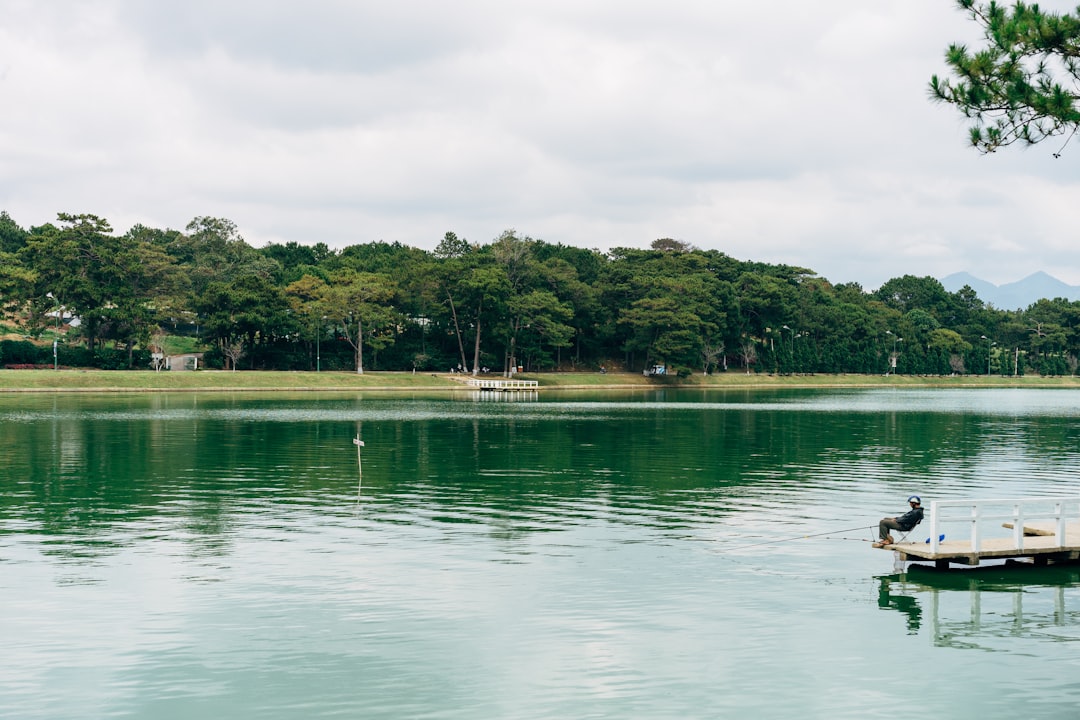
(800, 537)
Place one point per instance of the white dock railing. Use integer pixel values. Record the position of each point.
(1017, 511)
(494, 384)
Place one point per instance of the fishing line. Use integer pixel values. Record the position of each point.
(749, 563)
(798, 537)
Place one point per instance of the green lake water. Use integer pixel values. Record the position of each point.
(570, 556)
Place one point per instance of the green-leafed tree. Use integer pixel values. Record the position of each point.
(520, 307)
(119, 287)
(1021, 84)
(910, 292)
(68, 262)
(12, 237)
(144, 287)
(484, 289)
(454, 256)
(474, 288)
(212, 250)
(664, 330)
(1047, 335)
(359, 300)
(243, 311)
(573, 274)
(517, 298)
(15, 278)
(538, 322)
(666, 304)
(16, 282)
(307, 298)
(295, 260)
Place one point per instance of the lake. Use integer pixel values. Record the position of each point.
(654, 554)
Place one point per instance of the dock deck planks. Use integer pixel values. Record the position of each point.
(1039, 544)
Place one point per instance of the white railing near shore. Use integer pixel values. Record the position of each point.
(502, 384)
(1017, 511)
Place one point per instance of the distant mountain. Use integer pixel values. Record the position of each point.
(957, 281)
(1015, 295)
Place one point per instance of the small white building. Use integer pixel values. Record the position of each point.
(186, 361)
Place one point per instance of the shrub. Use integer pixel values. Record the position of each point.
(22, 352)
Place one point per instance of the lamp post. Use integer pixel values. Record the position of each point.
(56, 333)
(989, 345)
(892, 358)
(791, 347)
(318, 345)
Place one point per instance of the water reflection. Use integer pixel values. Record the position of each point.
(508, 396)
(206, 556)
(900, 600)
(976, 609)
(89, 473)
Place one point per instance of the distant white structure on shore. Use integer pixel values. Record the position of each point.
(185, 361)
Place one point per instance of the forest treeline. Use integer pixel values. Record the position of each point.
(513, 301)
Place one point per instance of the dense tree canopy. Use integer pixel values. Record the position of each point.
(515, 301)
(1022, 84)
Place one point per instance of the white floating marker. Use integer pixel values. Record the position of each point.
(359, 467)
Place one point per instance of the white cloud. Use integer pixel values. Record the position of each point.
(782, 132)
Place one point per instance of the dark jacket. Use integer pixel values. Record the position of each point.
(910, 519)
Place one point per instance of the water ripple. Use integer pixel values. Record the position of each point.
(636, 558)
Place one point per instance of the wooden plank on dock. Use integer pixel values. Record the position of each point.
(1036, 528)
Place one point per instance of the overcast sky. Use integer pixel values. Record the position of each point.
(784, 132)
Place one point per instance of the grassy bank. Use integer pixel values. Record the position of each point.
(207, 380)
(742, 380)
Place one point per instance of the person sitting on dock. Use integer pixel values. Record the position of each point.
(904, 523)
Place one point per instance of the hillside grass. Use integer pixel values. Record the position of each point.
(46, 380)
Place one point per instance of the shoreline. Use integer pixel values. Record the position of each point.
(138, 381)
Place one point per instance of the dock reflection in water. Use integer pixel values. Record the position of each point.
(499, 396)
(976, 608)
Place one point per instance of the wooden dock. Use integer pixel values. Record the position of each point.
(1044, 530)
(502, 385)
